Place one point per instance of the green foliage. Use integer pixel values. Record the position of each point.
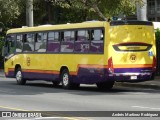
(1, 46)
(13, 12)
(10, 10)
(157, 34)
(103, 8)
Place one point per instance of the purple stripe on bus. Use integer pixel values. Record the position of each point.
(39, 76)
(128, 78)
(88, 75)
(137, 70)
(10, 74)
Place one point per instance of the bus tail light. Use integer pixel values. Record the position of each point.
(154, 64)
(110, 65)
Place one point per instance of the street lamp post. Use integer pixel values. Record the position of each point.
(29, 13)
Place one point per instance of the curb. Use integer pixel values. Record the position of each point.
(139, 85)
(2, 73)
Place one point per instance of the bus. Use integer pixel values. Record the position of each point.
(98, 52)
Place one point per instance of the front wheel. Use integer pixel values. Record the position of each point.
(19, 77)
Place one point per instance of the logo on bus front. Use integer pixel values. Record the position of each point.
(133, 58)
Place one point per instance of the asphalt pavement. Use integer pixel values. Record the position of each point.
(152, 84)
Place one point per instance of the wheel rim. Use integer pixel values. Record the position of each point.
(19, 76)
(65, 79)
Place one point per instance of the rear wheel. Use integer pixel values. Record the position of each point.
(19, 77)
(105, 85)
(66, 81)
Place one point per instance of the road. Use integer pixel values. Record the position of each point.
(42, 96)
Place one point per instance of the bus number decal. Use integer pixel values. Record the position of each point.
(84, 46)
(133, 58)
(28, 61)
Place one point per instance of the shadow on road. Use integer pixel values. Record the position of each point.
(33, 88)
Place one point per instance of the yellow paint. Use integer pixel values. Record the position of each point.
(52, 63)
(131, 33)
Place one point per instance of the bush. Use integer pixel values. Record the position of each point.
(157, 34)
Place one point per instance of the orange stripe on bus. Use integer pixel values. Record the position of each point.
(41, 71)
(73, 73)
(10, 69)
(88, 66)
(92, 66)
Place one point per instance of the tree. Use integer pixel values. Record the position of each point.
(103, 8)
(10, 10)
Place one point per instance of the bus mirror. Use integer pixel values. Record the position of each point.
(4, 51)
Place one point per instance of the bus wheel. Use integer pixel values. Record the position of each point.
(19, 77)
(105, 85)
(65, 78)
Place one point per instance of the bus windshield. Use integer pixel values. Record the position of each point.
(9, 47)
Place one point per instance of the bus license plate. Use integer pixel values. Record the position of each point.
(133, 77)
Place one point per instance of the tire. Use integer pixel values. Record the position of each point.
(65, 78)
(19, 77)
(105, 85)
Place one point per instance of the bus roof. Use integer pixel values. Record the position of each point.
(57, 27)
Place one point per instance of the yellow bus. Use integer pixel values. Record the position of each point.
(96, 52)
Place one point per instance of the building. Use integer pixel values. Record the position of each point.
(153, 10)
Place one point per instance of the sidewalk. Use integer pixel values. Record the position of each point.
(153, 84)
(2, 73)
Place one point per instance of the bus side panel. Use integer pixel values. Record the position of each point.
(89, 69)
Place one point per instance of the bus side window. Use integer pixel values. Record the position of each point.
(19, 44)
(40, 42)
(97, 34)
(82, 44)
(97, 43)
(82, 35)
(28, 42)
(53, 42)
(67, 45)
